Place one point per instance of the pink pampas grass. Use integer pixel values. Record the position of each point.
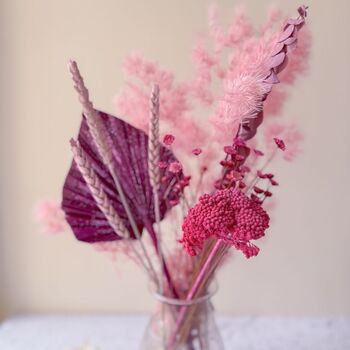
(50, 216)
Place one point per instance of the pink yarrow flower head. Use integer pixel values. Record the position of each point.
(168, 139)
(229, 215)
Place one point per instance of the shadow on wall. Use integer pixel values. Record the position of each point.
(8, 189)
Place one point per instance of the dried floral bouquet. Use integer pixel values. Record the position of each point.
(128, 192)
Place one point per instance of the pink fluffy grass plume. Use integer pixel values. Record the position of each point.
(229, 215)
(50, 216)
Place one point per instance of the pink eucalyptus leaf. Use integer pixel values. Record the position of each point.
(272, 78)
(130, 152)
(276, 60)
(286, 33)
(277, 49)
(295, 22)
(290, 40)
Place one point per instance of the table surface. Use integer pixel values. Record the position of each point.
(112, 332)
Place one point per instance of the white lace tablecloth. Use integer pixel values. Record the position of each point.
(114, 332)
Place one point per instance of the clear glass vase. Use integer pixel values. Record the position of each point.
(182, 325)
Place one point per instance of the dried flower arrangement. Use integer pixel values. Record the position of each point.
(126, 184)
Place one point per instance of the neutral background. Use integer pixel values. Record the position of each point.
(305, 261)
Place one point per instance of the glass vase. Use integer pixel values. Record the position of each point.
(178, 324)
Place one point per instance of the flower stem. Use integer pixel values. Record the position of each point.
(201, 277)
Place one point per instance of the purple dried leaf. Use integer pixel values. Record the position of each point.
(130, 153)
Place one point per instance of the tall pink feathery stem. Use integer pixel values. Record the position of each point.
(101, 137)
(95, 186)
(274, 65)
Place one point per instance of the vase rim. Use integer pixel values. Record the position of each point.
(183, 302)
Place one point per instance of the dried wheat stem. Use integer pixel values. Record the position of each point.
(103, 202)
(96, 189)
(154, 175)
(153, 169)
(153, 140)
(101, 137)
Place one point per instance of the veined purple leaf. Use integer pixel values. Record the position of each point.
(130, 150)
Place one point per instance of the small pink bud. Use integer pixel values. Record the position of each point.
(258, 153)
(255, 198)
(280, 144)
(239, 142)
(173, 202)
(230, 150)
(267, 193)
(175, 167)
(244, 169)
(162, 165)
(238, 157)
(234, 175)
(218, 184)
(168, 139)
(185, 181)
(241, 185)
(261, 175)
(269, 175)
(197, 151)
(274, 182)
(258, 189)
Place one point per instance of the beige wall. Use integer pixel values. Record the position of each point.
(304, 267)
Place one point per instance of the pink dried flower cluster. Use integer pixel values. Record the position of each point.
(228, 215)
(175, 108)
(237, 56)
(125, 181)
(49, 214)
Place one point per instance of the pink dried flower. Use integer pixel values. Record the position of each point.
(175, 167)
(234, 175)
(239, 142)
(227, 214)
(168, 139)
(257, 190)
(196, 151)
(174, 202)
(50, 215)
(242, 185)
(162, 165)
(273, 182)
(280, 144)
(261, 175)
(239, 157)
(258, 153)
(289, 133)
(230, 150)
